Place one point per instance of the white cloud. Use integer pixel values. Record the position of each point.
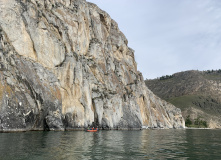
(169, 36)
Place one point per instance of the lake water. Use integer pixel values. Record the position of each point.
(144, 144)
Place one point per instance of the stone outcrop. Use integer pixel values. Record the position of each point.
(64, 64)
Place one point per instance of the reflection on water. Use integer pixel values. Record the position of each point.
(145, 144)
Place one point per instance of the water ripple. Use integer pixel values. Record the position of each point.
(146, 144)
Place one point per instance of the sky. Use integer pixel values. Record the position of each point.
(169, 36)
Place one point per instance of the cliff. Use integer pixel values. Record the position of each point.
(64, 64)
(197, 93)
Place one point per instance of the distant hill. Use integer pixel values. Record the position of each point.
(196, 93)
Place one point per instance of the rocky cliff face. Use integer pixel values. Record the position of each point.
(196, 93)
(64, 64)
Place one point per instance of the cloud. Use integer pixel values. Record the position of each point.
(170, 36)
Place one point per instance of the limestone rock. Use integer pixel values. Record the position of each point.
(65, 65)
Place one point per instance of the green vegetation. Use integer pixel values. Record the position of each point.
(166, 77)
(184, 101)
(213, 71)
(188, 122)
(212, 74)
(205, 103)
(198, 123)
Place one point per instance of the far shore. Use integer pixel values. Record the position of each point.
(200, 128)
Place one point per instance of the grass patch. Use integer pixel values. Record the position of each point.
(204, 103)
(184, 101)
(212, 76)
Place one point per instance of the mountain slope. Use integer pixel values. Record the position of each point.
(198, 94)
(66, 65)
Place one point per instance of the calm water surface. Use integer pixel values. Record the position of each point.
(145, 144)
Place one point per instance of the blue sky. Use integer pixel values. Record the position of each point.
(169, 36)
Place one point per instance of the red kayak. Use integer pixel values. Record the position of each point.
(92, 130)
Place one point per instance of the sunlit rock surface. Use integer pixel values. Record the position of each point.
(64, 64)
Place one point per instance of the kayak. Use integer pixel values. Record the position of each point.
(92, 130)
